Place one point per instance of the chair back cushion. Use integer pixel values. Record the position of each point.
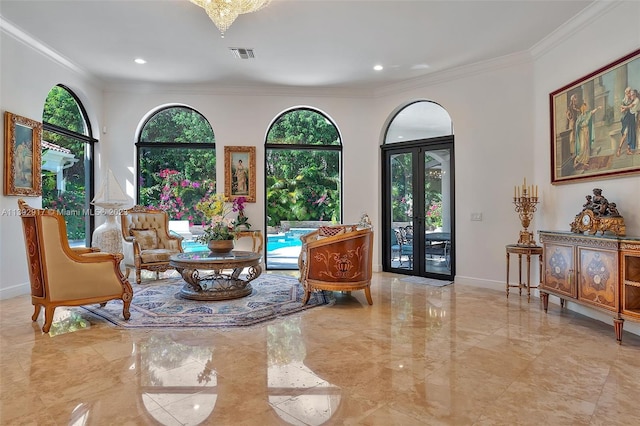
(147, 238)
(143, 218)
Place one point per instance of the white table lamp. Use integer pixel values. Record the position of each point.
(108, 237)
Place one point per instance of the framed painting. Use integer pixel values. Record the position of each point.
(22, 156)
(240, 172)
(595, 123)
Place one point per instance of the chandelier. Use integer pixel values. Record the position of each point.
(224, 12)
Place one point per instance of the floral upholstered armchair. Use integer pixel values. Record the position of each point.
(337, 258)
(67, 276)
(147, 243)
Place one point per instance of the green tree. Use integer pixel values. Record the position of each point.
(303, 184)
(176, 139)
(62, 110)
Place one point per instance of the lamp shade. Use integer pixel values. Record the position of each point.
(111, 194)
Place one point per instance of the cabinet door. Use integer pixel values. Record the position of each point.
(598, 278)
(631, 281)
(559, 270)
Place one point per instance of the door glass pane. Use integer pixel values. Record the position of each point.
(401, 211)
(437, 205)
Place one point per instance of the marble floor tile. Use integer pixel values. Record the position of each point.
(420, 355)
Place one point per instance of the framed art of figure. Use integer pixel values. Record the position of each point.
(240, 172)
(22, 164)
(595, 123)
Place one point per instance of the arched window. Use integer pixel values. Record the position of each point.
(176, 162)
(67, 162)
(303, 155)
(419, 120)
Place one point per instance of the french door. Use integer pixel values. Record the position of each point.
(418, 208)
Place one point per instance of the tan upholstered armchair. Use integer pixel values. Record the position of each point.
(336, 258)
(67, 276)
(147, 243)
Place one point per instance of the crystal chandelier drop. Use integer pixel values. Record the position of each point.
(224, 12)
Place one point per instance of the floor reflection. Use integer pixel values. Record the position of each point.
(419, 355)
(66, 320)
(296, 393)
(178, 377)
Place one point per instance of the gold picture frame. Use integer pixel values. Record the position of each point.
(240, 172)
(22, 156)
(594, 129)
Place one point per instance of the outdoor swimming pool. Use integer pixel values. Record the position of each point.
(275, 242)
(290, 238)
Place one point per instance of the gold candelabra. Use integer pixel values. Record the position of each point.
(525, 199)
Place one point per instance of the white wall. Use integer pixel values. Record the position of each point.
(598, 43)
(242, 119)
(493, 150)
(25, 81)
(501, 126)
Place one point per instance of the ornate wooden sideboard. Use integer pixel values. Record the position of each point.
(599, 271)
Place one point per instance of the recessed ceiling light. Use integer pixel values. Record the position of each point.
(139, 61)
(378, 67)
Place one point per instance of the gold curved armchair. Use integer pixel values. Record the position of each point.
(67, 276)
(337, 258)
(147, 243)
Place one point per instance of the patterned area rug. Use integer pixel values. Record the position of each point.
(157, 304)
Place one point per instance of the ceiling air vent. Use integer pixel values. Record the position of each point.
(242, 53)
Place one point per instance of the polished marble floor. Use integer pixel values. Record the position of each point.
(421, 355)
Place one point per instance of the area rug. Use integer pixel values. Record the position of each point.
(428, 281)
(157, 304)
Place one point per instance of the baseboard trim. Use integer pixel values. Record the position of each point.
(15, 291)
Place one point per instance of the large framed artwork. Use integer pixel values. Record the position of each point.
(240, 172)
(595, 123)
(22, 164)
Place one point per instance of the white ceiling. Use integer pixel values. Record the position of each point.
(332, 44)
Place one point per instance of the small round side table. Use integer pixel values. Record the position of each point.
(527, 251)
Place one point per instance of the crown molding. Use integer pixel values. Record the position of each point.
(212, 89)
(18, 34)
(576, 23)
(449, 75)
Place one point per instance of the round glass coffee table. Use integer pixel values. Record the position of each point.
(222, 281)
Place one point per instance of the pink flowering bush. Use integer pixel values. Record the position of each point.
(434, 215)
(179, 196)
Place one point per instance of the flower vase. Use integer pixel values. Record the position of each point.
(220, 246)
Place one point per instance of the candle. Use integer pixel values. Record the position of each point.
(514, 192)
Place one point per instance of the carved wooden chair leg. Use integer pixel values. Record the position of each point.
(36, 312)
(307, 295)
(48, 318)
(367, 292)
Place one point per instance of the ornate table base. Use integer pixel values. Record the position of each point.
(222, 280)
(217, 285)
